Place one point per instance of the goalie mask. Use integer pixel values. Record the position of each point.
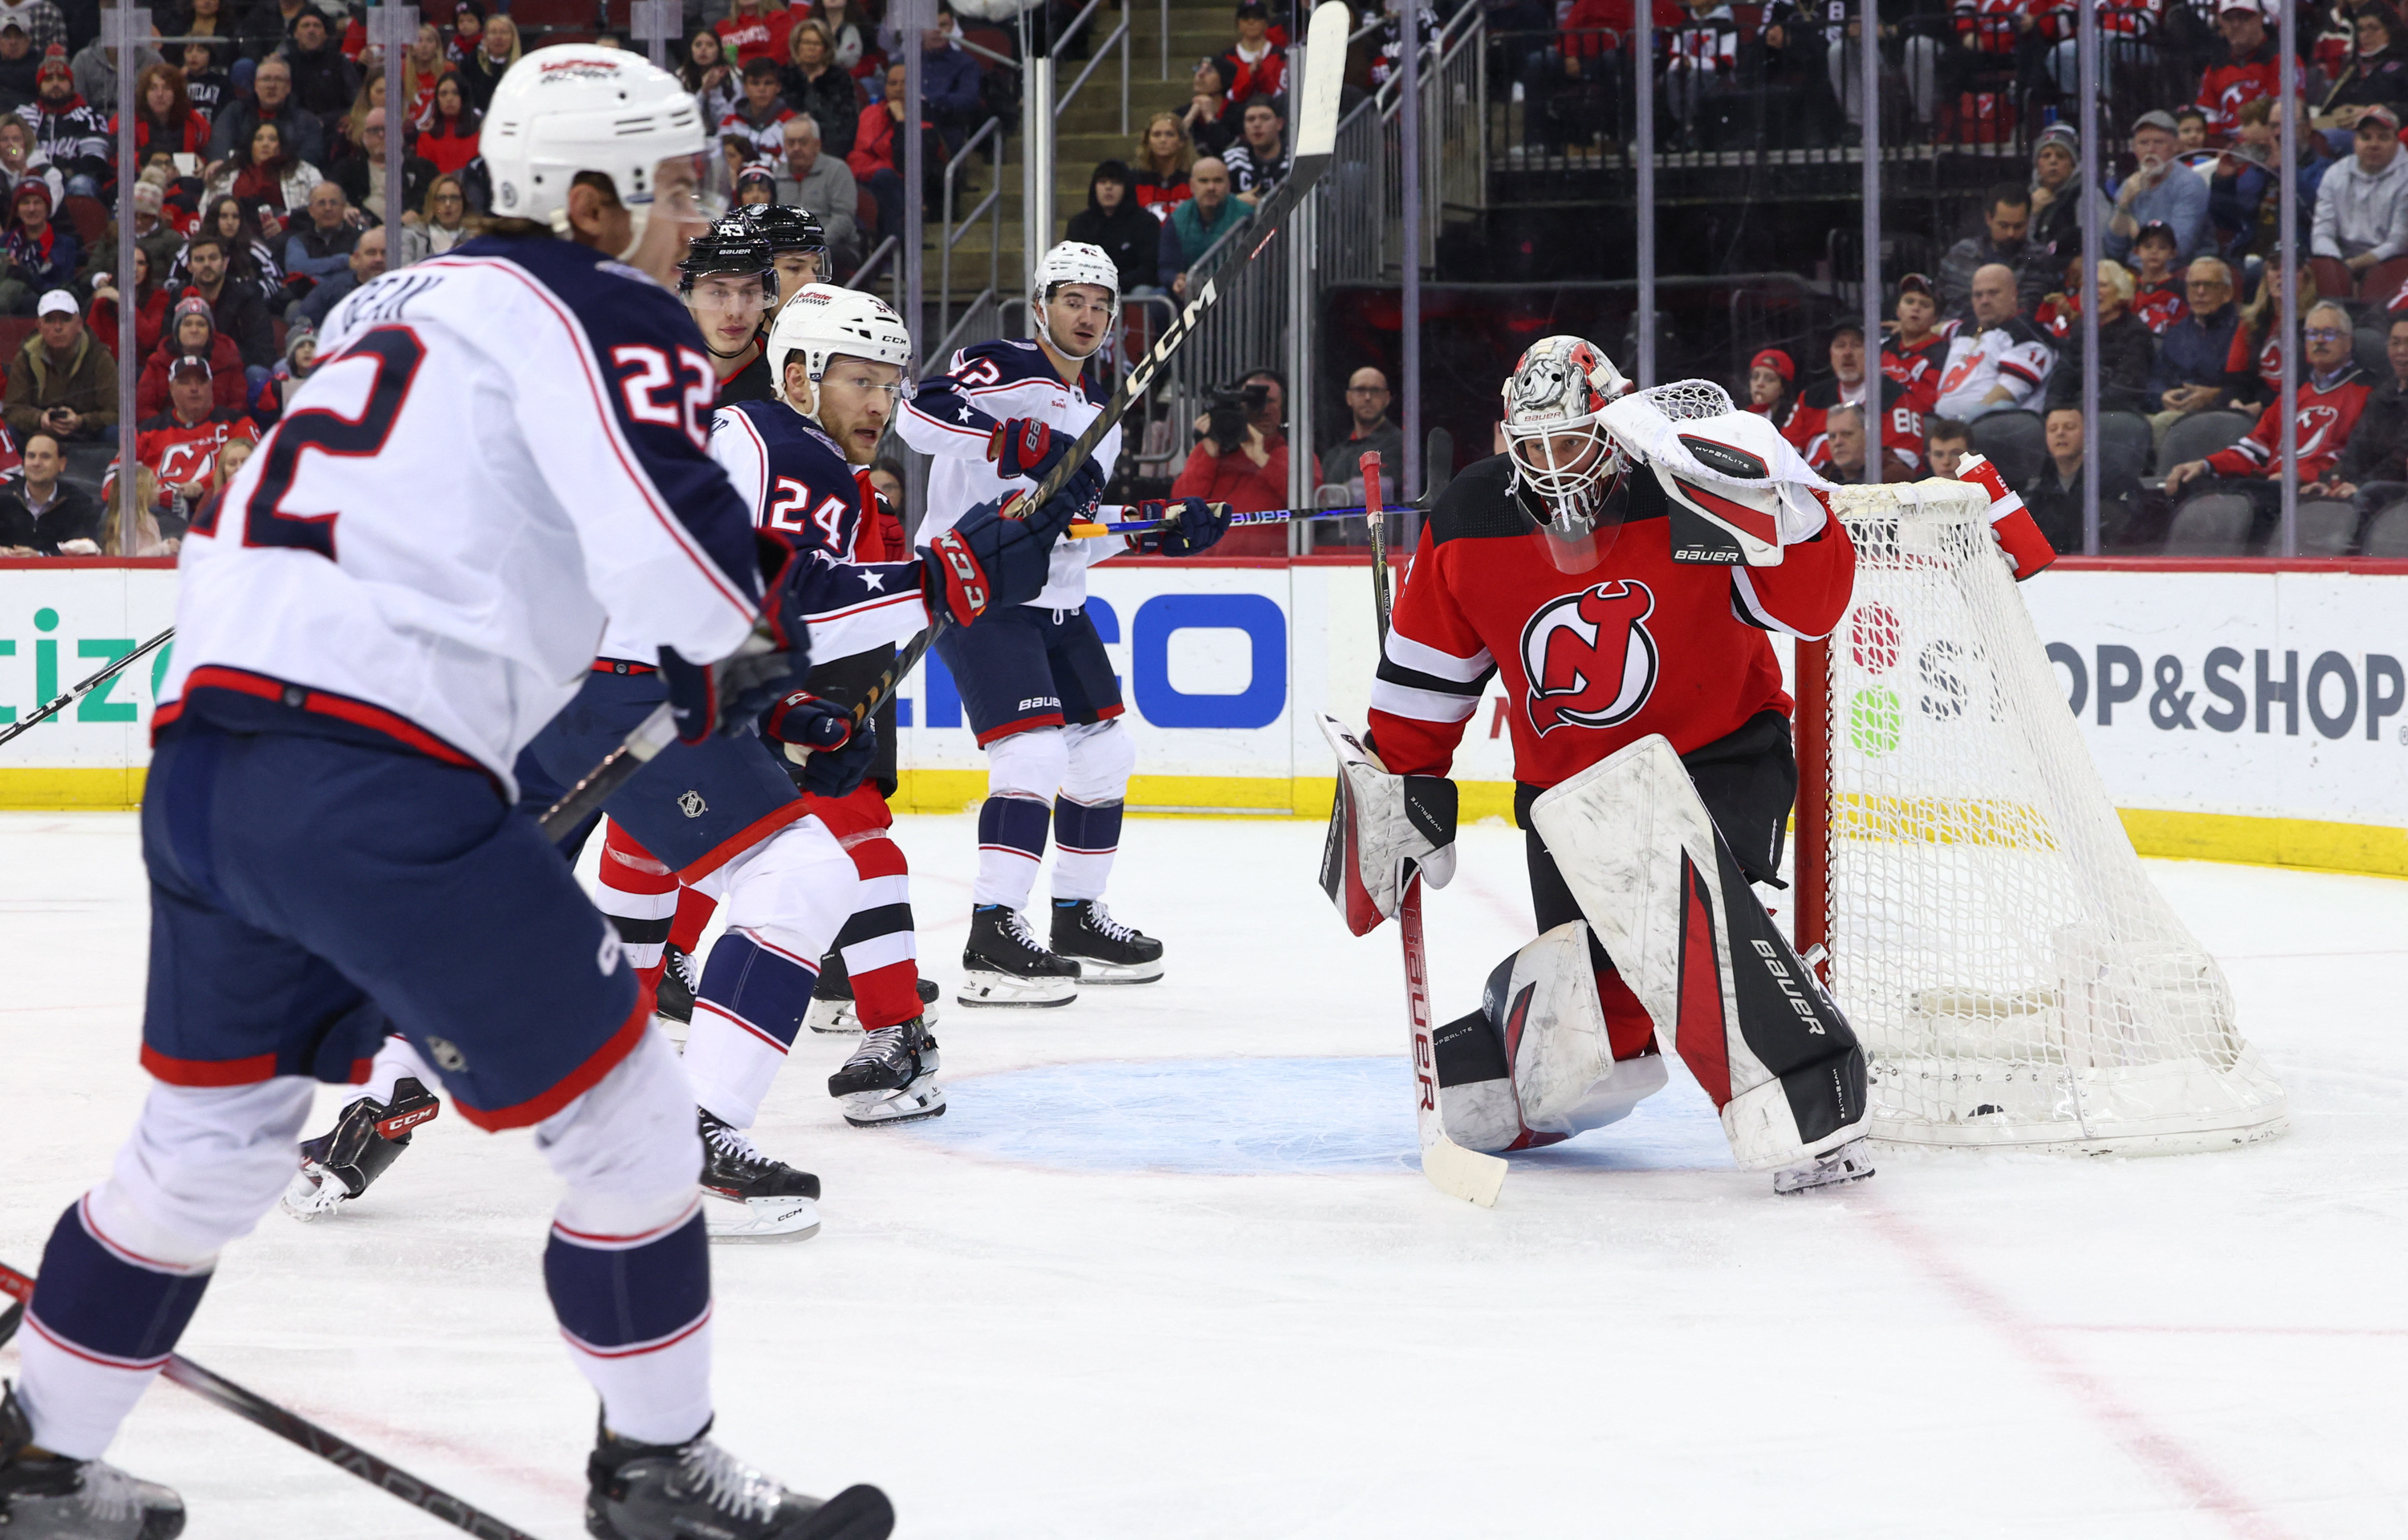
(1566, 464)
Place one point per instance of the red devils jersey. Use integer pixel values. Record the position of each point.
(1638, 644)
(180, 453)
(1909, 386)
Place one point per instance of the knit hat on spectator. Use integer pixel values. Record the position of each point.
(307, 11)
(192, 304)
(1778, 362)
(2063, 137)
(756, 174)
(148, 197)
(25, 185)
(302, 332)
(55, 58)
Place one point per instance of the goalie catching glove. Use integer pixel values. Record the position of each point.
(1189, 526)
(833, 750)
(1740, 493)
(1382, 829)
(1001, 554)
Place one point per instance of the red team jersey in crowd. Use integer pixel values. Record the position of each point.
(1909, 386)
(2160, 304)
(2327, 414)
(1638, 644)
(180, 453)
(2228, 87)
(762, 36)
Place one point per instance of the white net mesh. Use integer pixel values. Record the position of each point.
(2015, 976)
(1689, 398)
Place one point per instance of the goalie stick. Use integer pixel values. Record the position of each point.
(1457, 1172)
(121, 665)
(424, 1496)
(1268, 516)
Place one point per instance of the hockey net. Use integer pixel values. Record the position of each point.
(2016, 979)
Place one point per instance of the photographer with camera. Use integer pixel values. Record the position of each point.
(1240, 458)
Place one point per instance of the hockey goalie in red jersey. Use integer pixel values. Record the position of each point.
(1621, 565)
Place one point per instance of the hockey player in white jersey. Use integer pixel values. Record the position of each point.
(501, 448)
(1040, 692)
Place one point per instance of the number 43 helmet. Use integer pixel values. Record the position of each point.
(732, 245)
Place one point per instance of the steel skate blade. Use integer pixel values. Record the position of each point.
(749, 1221)
(983, 988)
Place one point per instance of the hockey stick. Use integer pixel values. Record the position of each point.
(1457, 1172)
(424, 1496)
(1270, 516)
(86, 687)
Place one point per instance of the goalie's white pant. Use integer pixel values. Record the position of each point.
(1638, 849)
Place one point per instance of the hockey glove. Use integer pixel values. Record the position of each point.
(726, 696)
(820, 736)
(1026, 445)
(994, 557)
(1191, 525)
(2011, 523)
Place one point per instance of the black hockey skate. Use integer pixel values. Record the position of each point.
(891, 1079)
(747, 1196)
(1106, 951)
(1850, 1162)
(681, 1491)
(55, 1498)
(369, 1135)
(681, 977)
(1004, 964)
(832, 1003)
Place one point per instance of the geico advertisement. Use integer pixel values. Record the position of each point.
(59, 626)
(2258, 695)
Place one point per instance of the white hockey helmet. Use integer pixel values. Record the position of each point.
(822, 322)
(575, 107)
(1073, 261)
(1559, 389)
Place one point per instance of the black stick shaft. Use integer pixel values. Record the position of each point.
(424, 1496)
(120, 667)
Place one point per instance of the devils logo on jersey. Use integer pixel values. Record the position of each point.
(1589, 658)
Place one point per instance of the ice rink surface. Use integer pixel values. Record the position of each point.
(1165, 1269)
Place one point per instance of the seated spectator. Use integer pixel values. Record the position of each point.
(1843, 439)
(1249, 474)
(709, 76)
(365, 265)
(1163, 157)
(2192, 356)
(815, 85)
(2001, 362)
(1258, 162)
(2162, 191)
(270, 102)
(2056, 195)
(1255, 66)
(2331, 399)
(849, 28)
(756, 186)
(1919, 332)
(1915, 41)
(2190, 131)
(2054, 495)
(1211, 126)
(19, 60)
(823, 184)
(1903, 401)
(1769, 376)
(72, 132)
(265, 27)
(180, 446)
(2247, 70)
(1368, 430)
(2127, 351)
(151, 308)
(321, 244)
(1196, 224)
(152, 234)
(2157, 287)
(40, 512)
(2253, 370)
(467, 32)
(2373, 465)
(323, 81)
(447, 135)
(876, 160)
(757, 126)
(61, 381)
(235, 308)
(483, 71)
(421, 64)
(2362, 206)
(149, 541)
(2376, 75)
(1704, 64)
(362, 176)
(949, 80)
(2006, 216)
(1127, 234)
(192, 334)
(270, 177)
(21, 158)
(207, 85)
(250, 262)
(1946, 442)
(41, 255)
(757, 29)
(164, 118)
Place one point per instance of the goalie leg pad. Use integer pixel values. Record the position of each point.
(1381, 827)
(1535, 1064)
(1638, 849)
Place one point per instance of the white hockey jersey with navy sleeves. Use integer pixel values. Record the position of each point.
(499, 448)
(952, 416)
(799, 483)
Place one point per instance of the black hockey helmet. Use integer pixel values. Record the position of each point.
(731, 244)
(788, 229)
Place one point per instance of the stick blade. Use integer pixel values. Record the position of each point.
(1461, 1173)
(1324, 77)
